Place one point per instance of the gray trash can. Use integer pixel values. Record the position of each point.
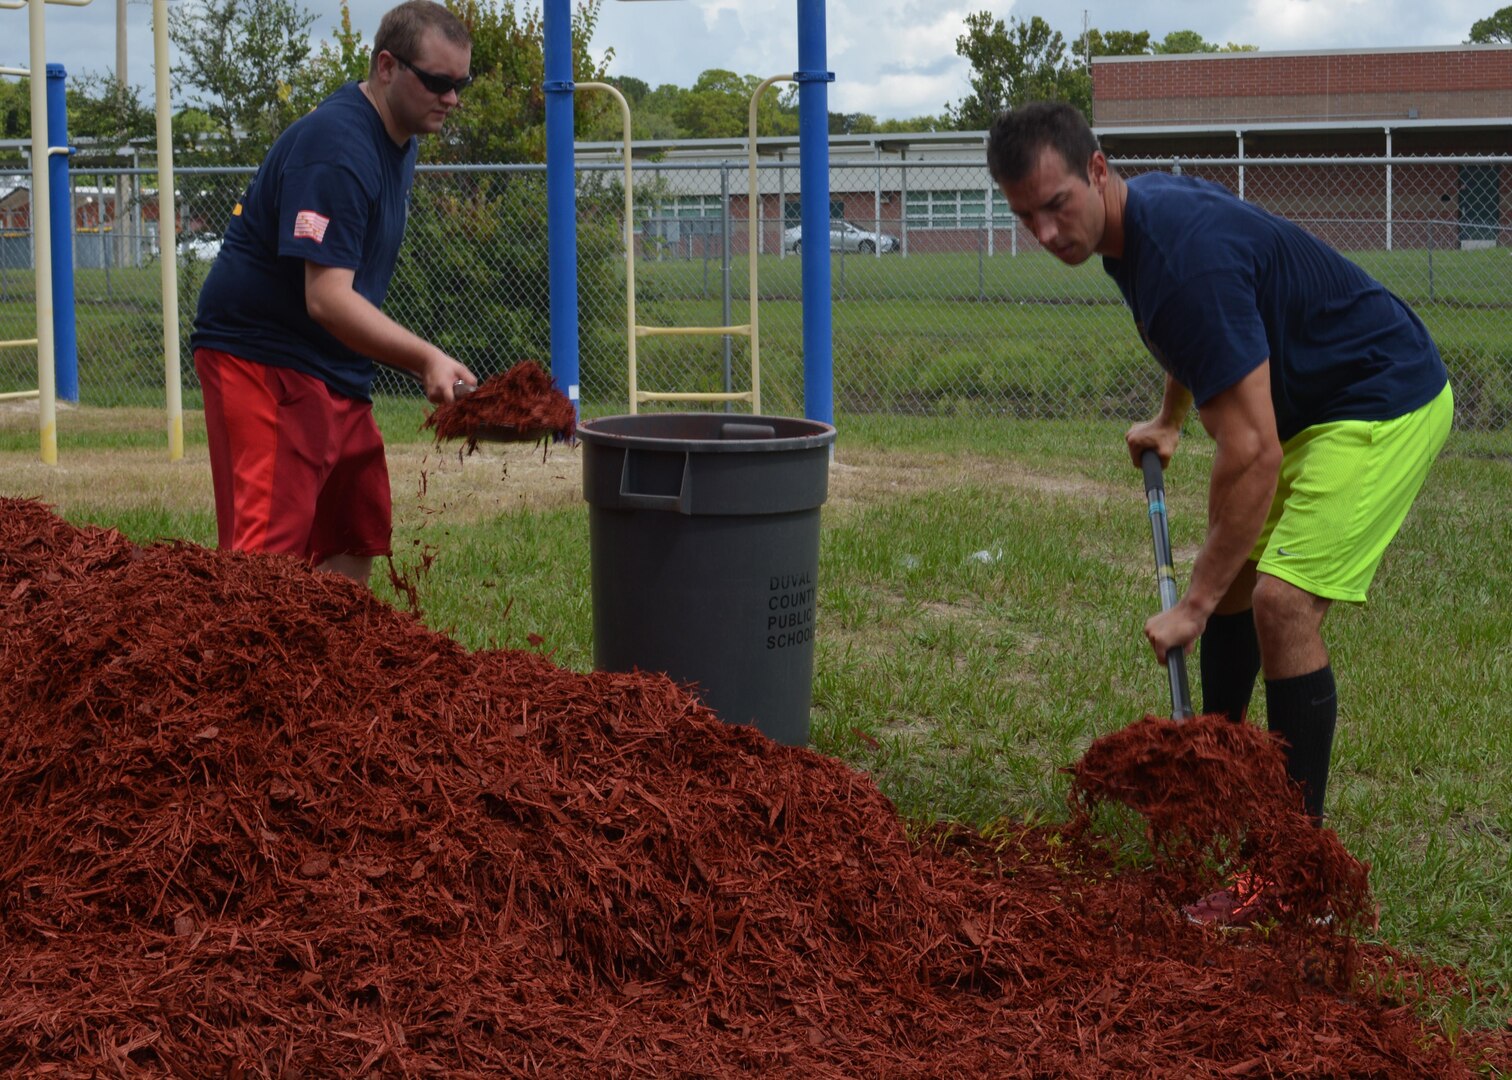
(704, 547)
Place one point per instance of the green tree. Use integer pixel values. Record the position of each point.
(1113, 43)
(341, 61)
(103, 112)
(1179, 42)
(503, 114)
(1190, 41)
(718, 106)
(856, 123)
(635, 90)
(1496, 27)
(656, 115)
(914, 123)
(1012, 63)
(15, 108)
(652, 112)
(241, 66)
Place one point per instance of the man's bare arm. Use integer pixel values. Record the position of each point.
(353, 320)
(1246, 465)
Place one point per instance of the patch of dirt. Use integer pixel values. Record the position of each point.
(863, 475)
(495, 479)
(110, 481)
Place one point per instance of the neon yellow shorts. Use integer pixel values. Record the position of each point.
(1344, 491)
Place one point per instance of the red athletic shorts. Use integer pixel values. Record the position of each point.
(298, 468)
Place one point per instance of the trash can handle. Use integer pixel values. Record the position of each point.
(682, 502)
(735, 429)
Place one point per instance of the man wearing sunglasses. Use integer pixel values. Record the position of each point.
(289, 323)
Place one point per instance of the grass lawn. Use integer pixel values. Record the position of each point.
(963, 681)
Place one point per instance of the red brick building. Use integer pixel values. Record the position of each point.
(1451, 82)
(1450, 102)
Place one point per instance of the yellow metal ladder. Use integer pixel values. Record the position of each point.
(636, 330)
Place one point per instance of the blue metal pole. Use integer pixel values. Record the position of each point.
(65, 333)
(813, 149)
(561, 209)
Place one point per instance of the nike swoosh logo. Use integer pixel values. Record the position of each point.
(1284, 553)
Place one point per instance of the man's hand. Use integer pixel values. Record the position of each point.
(1176, 629)
(1154, 435)
(440, 376)
(1163, 432)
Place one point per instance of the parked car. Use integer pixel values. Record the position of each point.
(198, 248)
(845, 237)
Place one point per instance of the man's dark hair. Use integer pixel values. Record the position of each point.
(1019, 136)
(402, 27)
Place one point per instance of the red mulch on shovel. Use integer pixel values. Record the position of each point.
(258, 823)
(521, 405)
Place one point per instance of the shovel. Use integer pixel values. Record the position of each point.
(1181, 696)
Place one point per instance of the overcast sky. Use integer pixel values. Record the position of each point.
(891, 58)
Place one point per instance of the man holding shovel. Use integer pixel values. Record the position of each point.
(1324, 395)
(289, 321)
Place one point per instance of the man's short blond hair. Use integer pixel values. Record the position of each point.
(402, 28)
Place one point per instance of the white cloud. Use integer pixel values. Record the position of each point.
(896, 95)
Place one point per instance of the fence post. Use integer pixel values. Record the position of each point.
(781, 208)
(136, 210)
(903, 200)
(1431, 222)
(1239, 135)
(981, 268)
(107, 252)
(991, 218)
(1389, 194)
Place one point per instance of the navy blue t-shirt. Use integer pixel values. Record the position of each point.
(333, 190)
(1217, 286)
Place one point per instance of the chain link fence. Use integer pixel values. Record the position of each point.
(942, 304)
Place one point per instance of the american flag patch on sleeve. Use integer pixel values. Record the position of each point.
(308, 225)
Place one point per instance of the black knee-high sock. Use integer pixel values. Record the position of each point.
(1303, 711)
(1230, 660)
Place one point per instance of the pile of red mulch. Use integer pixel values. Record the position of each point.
(521, 405)
(258, 823)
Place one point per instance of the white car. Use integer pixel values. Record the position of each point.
(198, 248)
(845, 237)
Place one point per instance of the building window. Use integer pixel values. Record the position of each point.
(961, 209)
(692, 206)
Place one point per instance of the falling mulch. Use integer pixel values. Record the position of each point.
(522, 404)
(1216, 801)
(258, 823)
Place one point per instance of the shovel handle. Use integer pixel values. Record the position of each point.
(1165, 571)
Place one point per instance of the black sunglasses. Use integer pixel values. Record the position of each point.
(436, 84)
